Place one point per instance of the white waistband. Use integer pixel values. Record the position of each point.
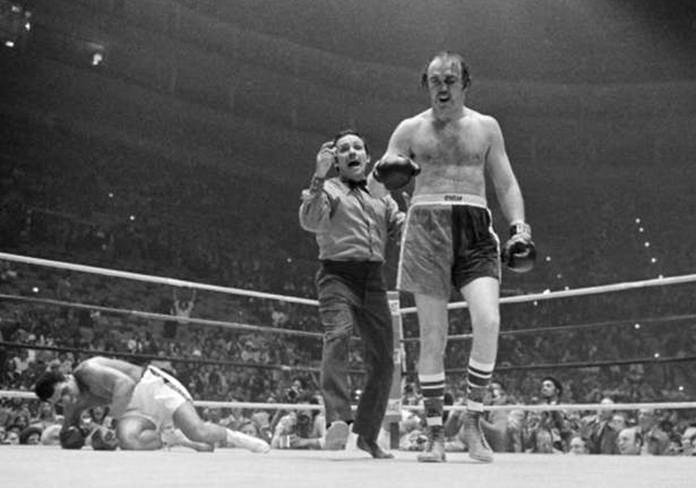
(450, 199)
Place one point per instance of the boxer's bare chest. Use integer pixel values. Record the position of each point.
(451, 145)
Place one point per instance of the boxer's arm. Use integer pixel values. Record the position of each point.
(504, 181)
(73, 411)
(400, 141)
(108, 383)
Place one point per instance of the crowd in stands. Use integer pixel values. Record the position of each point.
(616, 352)
(219, 363)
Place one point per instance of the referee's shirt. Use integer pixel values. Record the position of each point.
(349, 223)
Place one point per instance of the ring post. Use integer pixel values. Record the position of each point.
(392, 415)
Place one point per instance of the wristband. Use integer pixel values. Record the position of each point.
(520, 227)
(316, 184)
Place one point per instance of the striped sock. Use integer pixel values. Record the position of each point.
(477, 379)
(433, 390)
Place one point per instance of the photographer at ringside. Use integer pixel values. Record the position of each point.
(301, 428)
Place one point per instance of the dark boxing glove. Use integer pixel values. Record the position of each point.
(395, 173)
(72, 438)
(104, 439)
(519, 252)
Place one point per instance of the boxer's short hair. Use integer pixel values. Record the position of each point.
(46, 383)
(466, 73)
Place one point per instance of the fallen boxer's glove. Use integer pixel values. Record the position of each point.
(72, 438)
(104, 439)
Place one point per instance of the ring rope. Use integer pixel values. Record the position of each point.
(160, 316)
(587, 364)
(519, 367)
(151, 357)
(491, 408)
(26, 395)
(152, 279)
(590, 290)
(257, 328)
(546, 295)
(571, 327)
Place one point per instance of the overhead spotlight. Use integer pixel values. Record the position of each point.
(656, 355)
(559, 276)
(653, 260)
(641, 229)
(35, 289)
(131, 218)
(96, 51)
(636, 326)
(9, 44)
(548, 259)
(97, 59)
(646, 244)
(637, 220)
(681, 388)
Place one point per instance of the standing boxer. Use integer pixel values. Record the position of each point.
(449, 240)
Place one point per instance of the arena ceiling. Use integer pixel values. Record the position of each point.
(553, 41)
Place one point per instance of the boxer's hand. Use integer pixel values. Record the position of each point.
(72, 437)
(326, 158)
(395, 172)
(104, 439)
(519, 252)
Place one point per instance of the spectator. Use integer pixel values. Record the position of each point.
(688, 441)
(655, 440)
(577, 445)
(549, 431)
(630, 441)
(249, 427)
(599, 432)
(31, 435)
(300, 429)
(495, 423)
(46, 415)
(12, 435)
(618, 422)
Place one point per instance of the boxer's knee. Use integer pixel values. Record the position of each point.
(131, 440)
(486, 324)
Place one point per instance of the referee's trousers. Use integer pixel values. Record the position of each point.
(353, 294)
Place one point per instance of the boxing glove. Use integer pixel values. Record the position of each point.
(396, 172)
(519, 252)
(104, 439)
(72, 438)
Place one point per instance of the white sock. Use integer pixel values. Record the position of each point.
(253, 444)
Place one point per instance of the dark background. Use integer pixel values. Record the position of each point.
(204, 117)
